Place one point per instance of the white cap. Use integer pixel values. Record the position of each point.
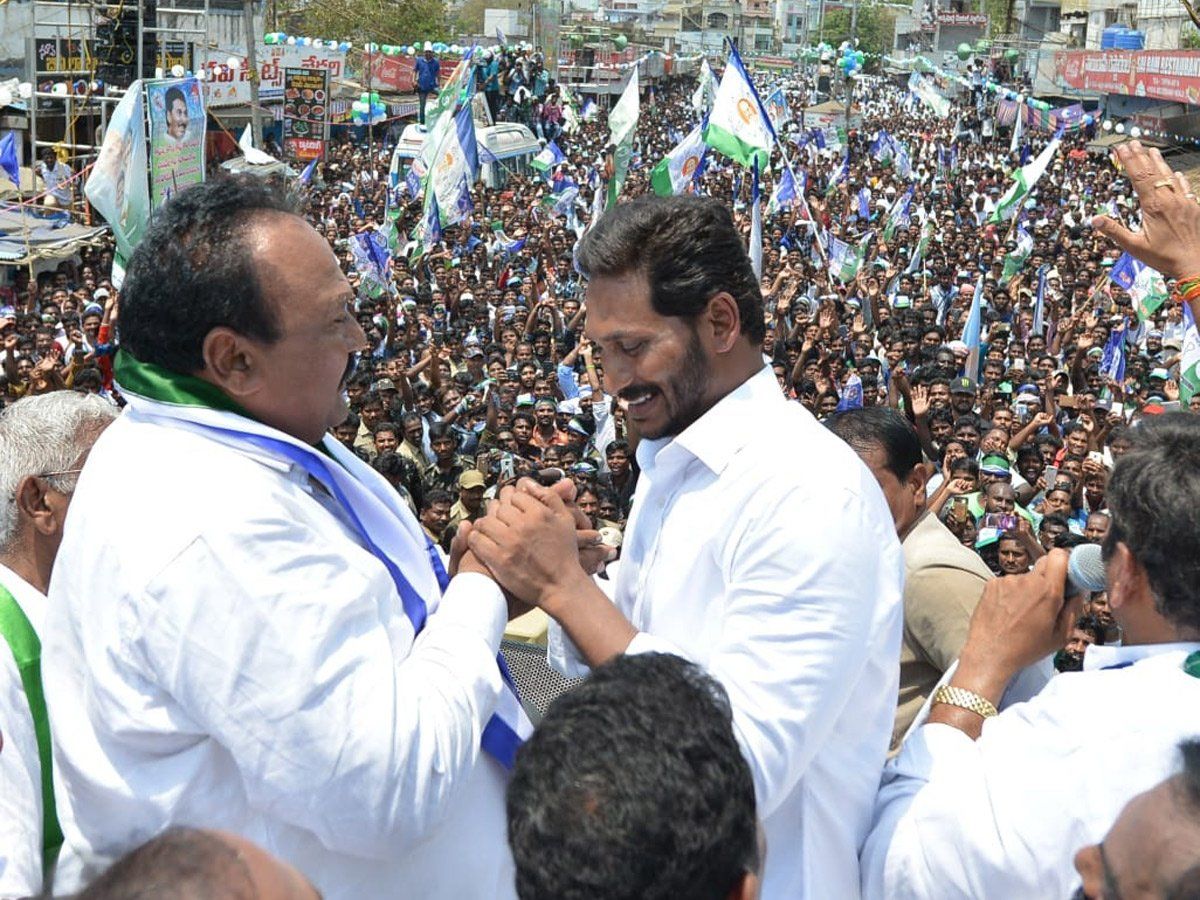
(429, 45)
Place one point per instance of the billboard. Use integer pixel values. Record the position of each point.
(305, 112)
(177, 124)
(1162, 75)
(231, 87)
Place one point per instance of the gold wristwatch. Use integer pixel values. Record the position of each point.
(964, 699)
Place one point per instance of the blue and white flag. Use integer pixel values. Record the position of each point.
(307, 174)
(785, 192)
(852, 392)
(1112, 363)
(8, 157)
(778, 109)
(501, 38)
(756, 244)
(864, 204)
(1145, 286)
(455, 165)
(548, 158)
(972, 331)
(839, 176)
(1039, 305)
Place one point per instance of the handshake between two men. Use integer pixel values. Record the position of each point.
(543, 551)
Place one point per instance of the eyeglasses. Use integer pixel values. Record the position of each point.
(56, 474)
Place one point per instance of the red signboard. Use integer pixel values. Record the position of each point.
(398, 74)
(1163, 75)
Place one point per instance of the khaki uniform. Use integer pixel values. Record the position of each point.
(943, 583)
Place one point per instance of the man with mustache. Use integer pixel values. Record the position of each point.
(259, 637)
(742, 550)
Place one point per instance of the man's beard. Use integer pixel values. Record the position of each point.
(686, 391)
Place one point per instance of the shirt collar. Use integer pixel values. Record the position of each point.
(30, 599)
(1109, 656)
(716, 437)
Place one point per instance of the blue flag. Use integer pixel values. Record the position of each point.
(307, 174)
(852, 394)
(864, 204)
(8, 157)
(1112, 363)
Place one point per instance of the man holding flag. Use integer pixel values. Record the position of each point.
(289, 660)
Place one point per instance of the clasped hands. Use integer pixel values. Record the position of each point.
(535, 543)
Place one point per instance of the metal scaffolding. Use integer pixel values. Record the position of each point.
(62, 53)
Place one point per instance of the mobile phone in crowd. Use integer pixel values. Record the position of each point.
(1051, 475)
(1000, 521)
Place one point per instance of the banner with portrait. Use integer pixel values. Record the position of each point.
(177, 126)
(305, 113)
(117, 185)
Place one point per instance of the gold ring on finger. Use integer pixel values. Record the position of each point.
(1165, 182)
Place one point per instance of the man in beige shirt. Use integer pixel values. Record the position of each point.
(943, 579)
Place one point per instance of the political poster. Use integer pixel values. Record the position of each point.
(117, 185)
(177, 125)
(305, 112)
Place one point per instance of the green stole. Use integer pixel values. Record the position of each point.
(26, 649)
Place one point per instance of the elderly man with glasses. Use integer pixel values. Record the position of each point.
(44, 441)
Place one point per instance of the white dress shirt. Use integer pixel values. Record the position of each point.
(1004, 815)
(761, 548)
(20, 766)
(223, 652)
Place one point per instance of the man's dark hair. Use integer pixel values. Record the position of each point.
(884, 428)
(1153, 496)
(171, 96)
(193, 272)
(437, 496)
(617, 446)
(687, 248)
(439, 430)
(1054, 519)
(389, 426)
(634, 788)
(179, 864)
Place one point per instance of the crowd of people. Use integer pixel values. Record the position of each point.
(514, 359)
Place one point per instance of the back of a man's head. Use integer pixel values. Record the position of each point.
(179, 864)
(1153, 497)
(634, 786)
(194, 271)
(194, 864)
(880, 428)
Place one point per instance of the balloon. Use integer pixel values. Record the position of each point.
(982, 45)
(620, 41)
(412, 51)
(374, 97)
(859, 57)
(1088, 119)
(965, 51)
(1011, 54)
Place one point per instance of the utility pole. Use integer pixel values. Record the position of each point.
(849, 81)
(252, 65)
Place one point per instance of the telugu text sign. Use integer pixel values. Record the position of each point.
(231, 87)
(305, 112)
(1168, 75)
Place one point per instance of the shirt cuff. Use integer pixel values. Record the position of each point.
(476, 603)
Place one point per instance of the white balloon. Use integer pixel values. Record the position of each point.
(177, 70)
(233, 62)
(1120, 128)
(1135, 132)
(1107, 125)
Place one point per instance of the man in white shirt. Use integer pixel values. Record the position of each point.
(759, 546)
(43, 443)
(56, 178)
(248, 629)
(983, 805)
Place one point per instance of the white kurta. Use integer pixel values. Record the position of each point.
(20, 766)
(1003, 816)
(761, 548)
(223, 652)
